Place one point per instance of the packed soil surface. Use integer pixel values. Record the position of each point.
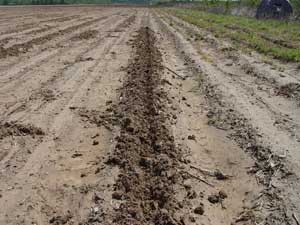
(123, 115)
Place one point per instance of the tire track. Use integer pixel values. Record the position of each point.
(37, 58)
(24, 27)
(229, 113)
(55, 77)
(278, 112)
(65, 80)
(38, 27)
(56, 198)
(21, 48)
(64, 83)
(227, 51)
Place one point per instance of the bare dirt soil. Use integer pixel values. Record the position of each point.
(120, 115)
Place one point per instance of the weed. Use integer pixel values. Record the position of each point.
(279, 39)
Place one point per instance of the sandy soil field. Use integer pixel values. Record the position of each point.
(119, 115)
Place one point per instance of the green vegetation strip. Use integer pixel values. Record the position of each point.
(279, 39)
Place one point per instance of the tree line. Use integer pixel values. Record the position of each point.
(32, 2)
(47, 2)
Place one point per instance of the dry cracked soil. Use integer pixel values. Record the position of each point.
(115, 115)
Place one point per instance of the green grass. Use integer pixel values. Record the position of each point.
(279, 39)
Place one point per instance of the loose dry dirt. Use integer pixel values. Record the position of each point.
(123, 115)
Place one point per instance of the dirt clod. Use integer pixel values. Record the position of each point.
(16, 129)
(199, 210)
(291, 90)
(59, 220)
(95, 142)
(222, 194)
(117, 195)
(192, 137)
(215, 198)
(76, 155)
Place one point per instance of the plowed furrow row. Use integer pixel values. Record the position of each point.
(17, 49)
(57, 77)
(145, 149)
(23, 27)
